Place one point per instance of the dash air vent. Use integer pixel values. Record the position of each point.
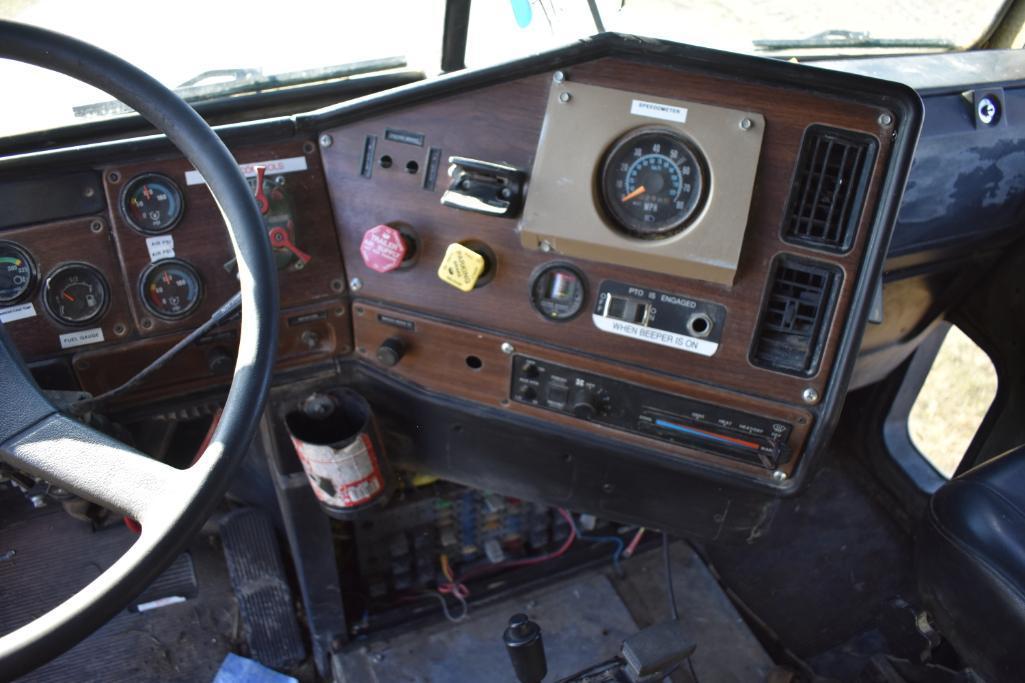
(794, 322)
(829, 189)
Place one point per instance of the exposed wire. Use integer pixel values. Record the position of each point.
(631, 547)
(615, 540)
(673, 611)
(444, 606)
(526, 561)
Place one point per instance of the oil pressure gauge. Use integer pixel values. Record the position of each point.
(170, 289)
(653, 183)
(152, 203)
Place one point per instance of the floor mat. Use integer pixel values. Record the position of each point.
(584, 619)
(828, 570)
(45, 556)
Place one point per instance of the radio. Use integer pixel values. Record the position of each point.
(666, 417)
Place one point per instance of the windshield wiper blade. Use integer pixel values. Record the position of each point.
(241, 81)
(848, 39)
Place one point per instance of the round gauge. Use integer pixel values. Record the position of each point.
(653, 183)
(558, 291)
(75, 293)
(16, 272)
(152, 203)
(170, 289)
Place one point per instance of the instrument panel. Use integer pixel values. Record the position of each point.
(675, 257)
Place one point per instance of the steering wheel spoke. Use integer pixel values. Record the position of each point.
(90, 464)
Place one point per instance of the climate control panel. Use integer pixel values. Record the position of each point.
(662, 416)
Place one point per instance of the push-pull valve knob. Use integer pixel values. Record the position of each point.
(383, 248)
(390, 351)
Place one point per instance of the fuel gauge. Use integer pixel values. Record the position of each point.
(75, 293)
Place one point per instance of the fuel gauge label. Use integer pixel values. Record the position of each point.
(663, 318)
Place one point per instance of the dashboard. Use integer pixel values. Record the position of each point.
(669, 251)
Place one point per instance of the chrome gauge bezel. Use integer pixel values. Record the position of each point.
(27, 289)
(628, 224)
(157, 265)
(129, 188)
(93, 271)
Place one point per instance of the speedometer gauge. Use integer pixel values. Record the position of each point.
(653, 183)
(170, 289)
(16, 272)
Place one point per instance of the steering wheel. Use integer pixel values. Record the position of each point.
(170, 504)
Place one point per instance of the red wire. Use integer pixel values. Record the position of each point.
(530, 560)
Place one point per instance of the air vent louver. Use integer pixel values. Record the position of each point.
(793, 325)
(829, 189)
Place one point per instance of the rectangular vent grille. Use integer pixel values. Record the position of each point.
(829, 189)
(792, 330)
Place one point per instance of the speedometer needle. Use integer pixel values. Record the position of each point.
(636, 193)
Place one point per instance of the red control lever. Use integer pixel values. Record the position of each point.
(261, 198)
(279, 239)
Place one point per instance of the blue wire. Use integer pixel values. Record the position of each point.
(620, 546)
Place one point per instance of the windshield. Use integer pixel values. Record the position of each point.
(503, 29)
(211, 48)
(243, 43)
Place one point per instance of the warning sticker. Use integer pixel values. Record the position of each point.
(461, 267)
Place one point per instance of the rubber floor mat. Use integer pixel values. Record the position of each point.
(45, 556)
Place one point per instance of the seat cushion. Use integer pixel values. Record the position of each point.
(971, 565)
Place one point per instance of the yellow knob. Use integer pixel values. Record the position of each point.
(461, 267)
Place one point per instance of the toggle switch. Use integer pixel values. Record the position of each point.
(383, 248)
(461, 267)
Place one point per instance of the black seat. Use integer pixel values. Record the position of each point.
(971, 565)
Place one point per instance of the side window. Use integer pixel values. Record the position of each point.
(950, 402)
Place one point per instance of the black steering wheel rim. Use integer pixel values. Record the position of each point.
(171, 505)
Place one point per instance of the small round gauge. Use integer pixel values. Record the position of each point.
(75, 293)
(558, 291)
(16, 272)
(653, 183)
(170, 289)
(152, 203)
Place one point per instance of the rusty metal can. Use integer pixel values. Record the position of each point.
(338, 444)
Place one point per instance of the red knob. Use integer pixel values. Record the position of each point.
(383, 248)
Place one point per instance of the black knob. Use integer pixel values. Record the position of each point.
(527, 393)
(529, 370)
(526, 649)
(391, 351)
(219, 361)
(584, 402)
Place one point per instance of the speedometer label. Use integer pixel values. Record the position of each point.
(654, 110)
